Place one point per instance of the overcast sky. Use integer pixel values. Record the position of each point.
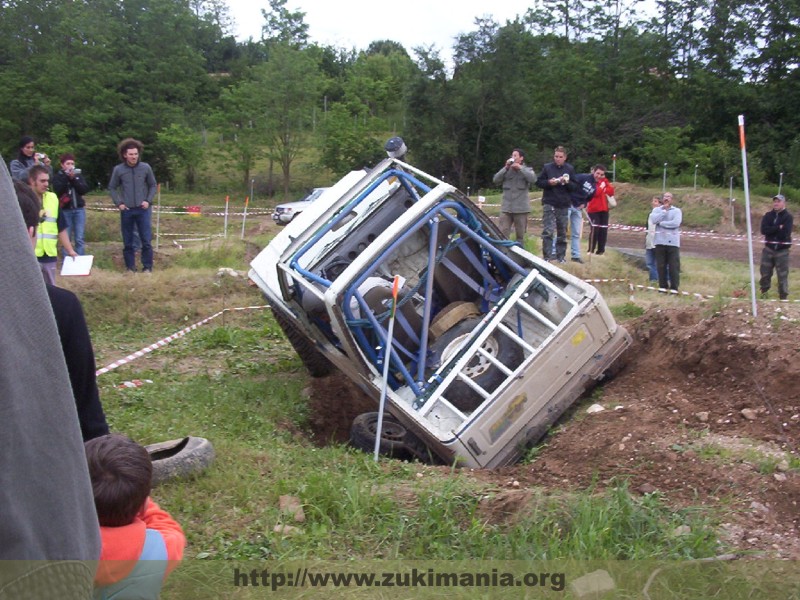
(356, 23)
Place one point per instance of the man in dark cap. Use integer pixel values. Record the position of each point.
(776, 227)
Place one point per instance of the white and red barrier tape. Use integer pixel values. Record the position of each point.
(171, 338)
(632, 286)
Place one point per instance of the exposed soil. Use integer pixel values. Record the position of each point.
(706, 412)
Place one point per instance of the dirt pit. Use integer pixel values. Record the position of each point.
(706, 412)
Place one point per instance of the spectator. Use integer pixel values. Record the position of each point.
(516, 178)
(141, 544)
(667, 240)
(649, 242)
(776, 227)
(69, 186)
(26, 158)
(580, 196)
(132, 188)
(53, 226)
(598, 209)
(74, 335)
(50, 526)
(557, 179)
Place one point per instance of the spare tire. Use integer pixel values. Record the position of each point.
(180, 458)
(393, 433)
(480, 369)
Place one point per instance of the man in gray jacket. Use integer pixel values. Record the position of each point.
(132, 189)
(516, 178)
(667, 240)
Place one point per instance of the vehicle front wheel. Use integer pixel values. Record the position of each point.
(316, 362)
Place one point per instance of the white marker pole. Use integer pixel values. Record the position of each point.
(387, 356)
(225, 226)
(747, 214)
(244, 215)
(158, 215)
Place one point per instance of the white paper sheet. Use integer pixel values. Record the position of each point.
(80, 265)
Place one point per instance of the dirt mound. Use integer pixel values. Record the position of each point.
(706, 411)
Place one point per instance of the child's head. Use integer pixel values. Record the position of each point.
(121, 473)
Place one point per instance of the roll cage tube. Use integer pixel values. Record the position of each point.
(404, 179)
(430, 218)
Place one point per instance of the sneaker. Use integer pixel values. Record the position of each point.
(577, 259)
(147, 270)
(784, 297)
(764, 294)
(561, 260)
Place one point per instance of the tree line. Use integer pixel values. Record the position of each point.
(602, 77)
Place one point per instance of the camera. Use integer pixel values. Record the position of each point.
(40, 156)
(565, 179)
(76, 171)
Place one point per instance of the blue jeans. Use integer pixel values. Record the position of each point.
(136, 219)
(575, 229)
(650, 261)
(76, 222)
(555, 228)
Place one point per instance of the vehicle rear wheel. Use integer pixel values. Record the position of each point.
(316, 362)
(393, 433)
(480, 369)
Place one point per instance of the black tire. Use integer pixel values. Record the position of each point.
(393, 434)
(180, 458)
(479, 370)
(313, 360)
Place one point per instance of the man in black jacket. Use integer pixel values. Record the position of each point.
(776, 227)
(75, 341)
(557, 179)
(70, 186)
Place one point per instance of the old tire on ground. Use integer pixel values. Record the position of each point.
(180, 458)
(313, 359)
(480, 369)
(393, 433)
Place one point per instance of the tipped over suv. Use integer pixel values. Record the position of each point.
(490, 343)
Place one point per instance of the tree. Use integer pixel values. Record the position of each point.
(283, 26)
(184, 150)
(289, 84)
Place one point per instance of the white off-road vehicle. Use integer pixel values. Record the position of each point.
(491, 344)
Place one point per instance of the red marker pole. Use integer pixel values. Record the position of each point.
(747, 214)
(387, 356)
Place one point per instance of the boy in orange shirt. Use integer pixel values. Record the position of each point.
(141, 544)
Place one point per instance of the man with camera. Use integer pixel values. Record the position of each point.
(70, 186)
(516, 178)
(557, 181)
